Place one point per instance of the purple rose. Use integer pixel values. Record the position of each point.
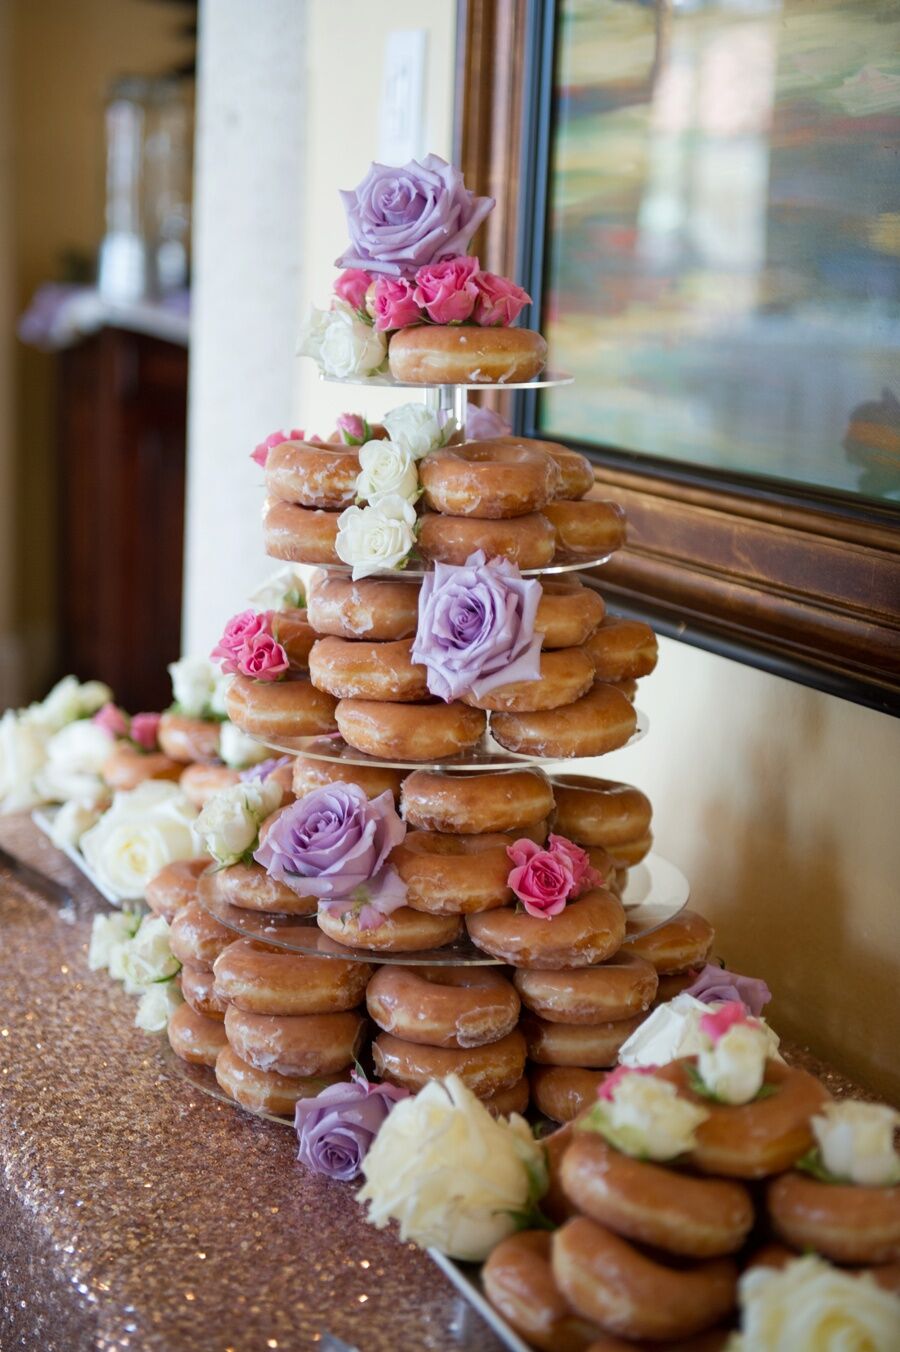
(265, 768)
(402, 219)
(713, 984)
(476, 627)
(336, 1128)
(483, 423)
(333, 844)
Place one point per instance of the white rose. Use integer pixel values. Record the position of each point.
(417, 428)
(284, 587)
(68, 700)
(856, 1142)
(349, 346)
(147, 957)
(193, 685)
(451, 1174)
(376, 538)
(22, 755)
(75, 758)
(157, 1005)
(72, 820)
(238, 750)
(644, 1116)
(143, 831)
(809, 1306)
(217, 699)
(672, 1031)
(228, 826)
(108, 933)
(312, 332)
(734, 1067)
(386, 468)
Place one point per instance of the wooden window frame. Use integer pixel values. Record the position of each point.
(800, 582)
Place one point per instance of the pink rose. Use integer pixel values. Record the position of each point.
(584, 874)
(239, 631)
(717, 1024)
(261, 452)
(353, 428)
(447, 291)
(263, 659)
(541, 879)
(498, 301)
(395, 306)
(112, 720)
(615, 1077)
(145, 730)
(352, 286)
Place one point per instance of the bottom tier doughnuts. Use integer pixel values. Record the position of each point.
(199, 991)
(173, 887)
(195, 1038)
(845, 1222)
(485, 1070)
(518, 1281)
(298, 1045)
(265, 1091)
(560, 1092)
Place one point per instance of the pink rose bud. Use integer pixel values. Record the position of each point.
(352, 286)
(484, 423)
(717, 1024)
(395, 306)
(353, 428)
(615, 1077)
(541, 880)
(447, 291)
(112, 720)
(239, 631)
(263, 659)
(145, 730)
(499, 301)
(261, 453)
(584, 874)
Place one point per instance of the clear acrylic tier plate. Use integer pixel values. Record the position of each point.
(418, 568)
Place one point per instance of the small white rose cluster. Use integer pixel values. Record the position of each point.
(856, 1143)
(136, 952)
(672, 1030)
(145, 829)
(228, 825)
(198, 690)
(810, 1306)
(48, 753)
(343, 344)
(645, 1116)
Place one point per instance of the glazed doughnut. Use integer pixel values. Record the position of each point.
(454, 874)
(299, 534)
(374, 608)
(616, 989)
(196, 938)
(200, 782)
(628, 688)
(844, 1222)
(518, 1281)
(292, 629)
(560, 1092)
(628, 854)
(627, 1292)
(457, 354)
(262, 980)
(503, 800)
(295, 1044)
(591, 1046)
(488, 479)
(587, 931)
(655, 1205)
(527, 541)
(622, 650)
(313, 475)
(443, 1006)
(355, 669)
(599, 811)
(404, 931)
(410, 732)
(292, 708)
(195, 1038)
(565, 675)
(265, 1091)
(484, 1069)
(173, 887)
(588, 529)
(506, 1101)
(249, 887)
(600, 721)
(312, 774)
(125, 767)
(682, 942)
(576, 471)
(753, 1140)
(198, 989)
(568, 612)
(188, 739)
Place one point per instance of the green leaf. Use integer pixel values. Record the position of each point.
(293, 599)
(811, 1163)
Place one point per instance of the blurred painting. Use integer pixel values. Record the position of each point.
(722, 267)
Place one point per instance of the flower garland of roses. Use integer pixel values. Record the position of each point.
(455, 291)
(545, 878)
(249, 647)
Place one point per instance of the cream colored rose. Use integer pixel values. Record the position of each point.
(386, 468)
(734, 1067)
(75, 758)
(645, 1117)
(856, 1142)
(147, 958)
(349, 346)
(376, 538)
(194, 681)
(22, 757)
(239, 751)
(228, 826)
(451, 1174)
(144, 830)
(71, 822)
(810, 1306)
(285, 587)
(157, 1005)
(312, 332)
(69, 699)
(417, 428)
(109, 933)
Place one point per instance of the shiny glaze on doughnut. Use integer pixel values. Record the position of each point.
(587, 931)
(313, 475)
(292, 629)
(443, 1006)
(173, 887)
(619, 988)
(250, 888)
(299, 534)
(576, 471)
(560, 1092)
(199, 782)
(295, 1044)
(599, 811)
(683, 942)
(622, 649)
(356, 669)
(125, 767)
(198, 989)
(415, 732)
(291, 708)
(653, 1204)
(596, 723)
(485, 1069)
(506, 1101)
(488, 479)
(264, 1091)
(310, 774)
(518, 1281)
(454, 354)
(188, 739)
(568, 612)
(195, 1038)
(588, 528)
(196, 938)
(631, 852)
(844, 1222)
(528, 541)
(593, 1046)
(404, 931)
(263, 980)
(373, 608)
(500, 800)
(454, 874)
(565, 675)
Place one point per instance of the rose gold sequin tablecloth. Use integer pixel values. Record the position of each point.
(138, 1213)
